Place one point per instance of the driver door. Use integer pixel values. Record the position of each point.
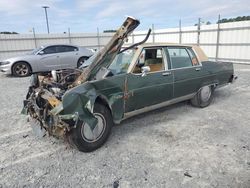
(152, 88)
(49, 59)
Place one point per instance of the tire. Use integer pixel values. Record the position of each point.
(81, 61)
(203, 97)
(21, 69)
(82, 137)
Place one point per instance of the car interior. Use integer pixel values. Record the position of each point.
(152, 58)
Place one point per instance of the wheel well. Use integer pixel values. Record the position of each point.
(102, 101)
(21, 62)
(213, 86)
(83, 57)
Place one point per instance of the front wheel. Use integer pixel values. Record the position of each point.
(81, 61)
(21, 69)
(88, 140)
(203, 97)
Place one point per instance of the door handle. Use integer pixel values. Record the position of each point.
(166, 73)
(198, 69)
(57, 56)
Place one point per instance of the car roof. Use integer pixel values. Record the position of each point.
(44, 46)
(199, 52)
(165, 44)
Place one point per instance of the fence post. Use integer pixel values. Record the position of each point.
(198, 31)
(153, 33)
(69, 36)
(180, 33)
(218, 39)
(34, 36)
(98, 39)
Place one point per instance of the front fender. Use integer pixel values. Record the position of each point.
(80, 100)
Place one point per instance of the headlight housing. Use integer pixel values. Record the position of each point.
(5, 63)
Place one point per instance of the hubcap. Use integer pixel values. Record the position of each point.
(81, 62)
(205, 93)
(21, 69)
(93, 135)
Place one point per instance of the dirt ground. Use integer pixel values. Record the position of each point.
(177, 146)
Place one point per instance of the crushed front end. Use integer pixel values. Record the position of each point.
(55, 102)
(44, 104)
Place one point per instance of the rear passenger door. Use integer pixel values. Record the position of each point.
(186, 69)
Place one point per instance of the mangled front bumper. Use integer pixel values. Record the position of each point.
(65, 114)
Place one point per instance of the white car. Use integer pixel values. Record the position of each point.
(46, 58)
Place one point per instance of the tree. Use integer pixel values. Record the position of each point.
(206, 23)
(109, 31)
(236, 19)
(8, 32)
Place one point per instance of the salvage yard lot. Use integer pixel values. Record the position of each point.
(176, 146)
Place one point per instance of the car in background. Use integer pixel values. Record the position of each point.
(46, 58)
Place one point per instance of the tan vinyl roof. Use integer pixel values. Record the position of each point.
(198, 51)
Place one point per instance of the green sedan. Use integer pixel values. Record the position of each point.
(83, 104)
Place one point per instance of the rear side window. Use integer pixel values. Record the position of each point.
(179, 57)
(66, 49)
(194, 60)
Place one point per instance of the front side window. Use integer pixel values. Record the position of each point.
(121, 62)
(50, 50)
(179, 57)
(153, 58)
(35, 50)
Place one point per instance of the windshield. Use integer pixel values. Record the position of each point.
(121, 62)
(35, 51)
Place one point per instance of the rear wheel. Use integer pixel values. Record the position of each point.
(81, 61)
(87, 140)
(21, 69)
(203, 98)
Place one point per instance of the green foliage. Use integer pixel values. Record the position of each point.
(237, 19)
(8, 32)
(109, 31)
(207, 23)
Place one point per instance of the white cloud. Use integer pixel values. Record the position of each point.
(20, 7)
(87, 15)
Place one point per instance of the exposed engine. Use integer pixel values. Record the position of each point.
(45, 93)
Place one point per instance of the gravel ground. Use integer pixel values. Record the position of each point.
(177, 146)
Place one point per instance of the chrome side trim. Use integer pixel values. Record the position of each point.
(156, 106)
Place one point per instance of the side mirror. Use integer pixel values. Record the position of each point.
(145, 70)
(41, 52)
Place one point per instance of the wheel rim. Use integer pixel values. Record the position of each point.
(21, 69)
(205, 93)
(93, 135)
(81, 62)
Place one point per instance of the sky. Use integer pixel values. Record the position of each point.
(86, 15)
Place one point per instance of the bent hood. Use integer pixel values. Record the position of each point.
(105, 56)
